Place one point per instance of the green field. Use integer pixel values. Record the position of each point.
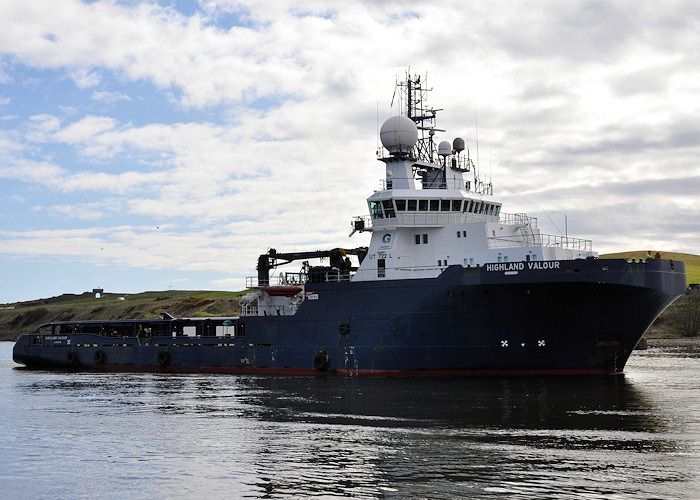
(692, 262)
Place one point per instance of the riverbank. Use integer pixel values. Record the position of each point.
(684, 342)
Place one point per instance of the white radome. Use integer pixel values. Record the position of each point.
(398, 134)
(444, 148)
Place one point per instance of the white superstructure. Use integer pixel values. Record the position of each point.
(430, 214)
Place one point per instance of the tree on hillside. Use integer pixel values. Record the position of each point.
(684, 314)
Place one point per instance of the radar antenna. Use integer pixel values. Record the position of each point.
(414, 93)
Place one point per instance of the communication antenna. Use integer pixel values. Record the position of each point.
(476, 126)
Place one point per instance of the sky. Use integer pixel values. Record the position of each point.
(166, 144)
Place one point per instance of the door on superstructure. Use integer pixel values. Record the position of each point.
(381, 268)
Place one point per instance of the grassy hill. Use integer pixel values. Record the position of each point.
(692, 262)
(25, 316)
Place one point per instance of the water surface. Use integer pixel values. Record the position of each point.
(94, 435)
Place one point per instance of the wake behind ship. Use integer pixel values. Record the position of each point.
(449, 284)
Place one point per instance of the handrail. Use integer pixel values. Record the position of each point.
(518, 219)
(545, 240)
(291, 279)
(365, 222)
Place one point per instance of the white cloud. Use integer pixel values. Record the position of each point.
(109, 97)
(34, 172)
(85, 211)
(262, 132)
(84, 78)
(85, 130)
(41, 127)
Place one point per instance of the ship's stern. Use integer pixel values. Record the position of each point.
(21, 349)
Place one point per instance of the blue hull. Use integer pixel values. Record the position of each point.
(559, 317)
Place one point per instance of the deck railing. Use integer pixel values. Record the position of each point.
(545, 240)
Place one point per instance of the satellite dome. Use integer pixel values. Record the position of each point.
(458, 144)
(398, 134)
(444, 148)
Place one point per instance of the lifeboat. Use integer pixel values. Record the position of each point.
(281, 290)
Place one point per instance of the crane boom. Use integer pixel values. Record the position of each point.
(273, 259)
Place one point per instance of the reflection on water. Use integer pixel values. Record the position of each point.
(149, 435)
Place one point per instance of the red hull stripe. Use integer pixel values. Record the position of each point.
(346, 373)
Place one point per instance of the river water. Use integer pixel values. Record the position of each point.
(93, 435)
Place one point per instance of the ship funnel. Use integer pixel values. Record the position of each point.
(399, 134)
(458, 144)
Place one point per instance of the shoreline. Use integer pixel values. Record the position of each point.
(672, 342)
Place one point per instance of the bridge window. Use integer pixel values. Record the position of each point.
(389, 209)
(376, 210)
(434, 205)
(422, 205)
(401, 205)
(412, 205)
(456, 205)
(445, 206)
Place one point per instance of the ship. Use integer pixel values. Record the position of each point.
(449, 285)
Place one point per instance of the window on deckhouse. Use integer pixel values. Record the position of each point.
(376, 210)
(389, 209)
